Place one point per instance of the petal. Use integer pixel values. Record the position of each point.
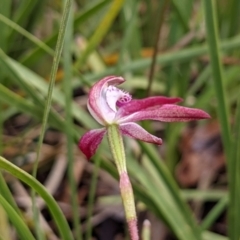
(90, 141)
(97, 104)
(135, 131)
(144, 104)
(167, 113)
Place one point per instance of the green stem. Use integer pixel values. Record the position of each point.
(56, 212)
(117, 148)
(129, 205)
(146, 231)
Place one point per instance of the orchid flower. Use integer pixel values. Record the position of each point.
(115, 110)
(110, 105)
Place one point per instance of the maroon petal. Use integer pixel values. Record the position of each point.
(97, 103)
(144, 104)
(167, 113)
(135, 131)
(90, 141)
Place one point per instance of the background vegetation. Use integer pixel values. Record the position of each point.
(51, 52)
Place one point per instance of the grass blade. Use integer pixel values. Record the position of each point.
(167, 59)
(232, 163)
(26, 34)
(183, 10)
(56, 212)
(35, 111)
(67, 66)
(5, 6)
(101, 31)
(22, 230)
(234, 175)
(165, 178)
(213, 236)
(214, 52)
(32, 83)
(54, 69)
(92, 193)
(36, 53)
(214, 213)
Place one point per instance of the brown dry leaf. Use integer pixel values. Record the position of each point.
(202, 155)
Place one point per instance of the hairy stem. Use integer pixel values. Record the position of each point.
(117, 148)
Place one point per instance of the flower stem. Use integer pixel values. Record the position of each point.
(117, 148)
(146, 231)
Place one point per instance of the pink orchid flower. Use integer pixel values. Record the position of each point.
(110, 105)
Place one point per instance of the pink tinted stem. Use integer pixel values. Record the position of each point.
(117, 148)
(129, 205)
